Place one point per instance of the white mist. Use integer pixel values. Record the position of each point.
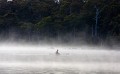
(41, 59)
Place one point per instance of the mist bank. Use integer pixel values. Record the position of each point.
(63, 41)
(15, 59)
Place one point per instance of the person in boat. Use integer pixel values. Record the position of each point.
(57, 52)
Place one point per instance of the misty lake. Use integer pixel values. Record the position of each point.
(72, 60)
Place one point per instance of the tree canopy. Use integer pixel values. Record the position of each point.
(53, 19)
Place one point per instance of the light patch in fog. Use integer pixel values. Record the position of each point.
(9, 0)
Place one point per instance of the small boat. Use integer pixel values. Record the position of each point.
(57, 52)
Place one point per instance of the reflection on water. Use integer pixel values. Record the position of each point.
(33, 60)
(59, 68)
(50, 71)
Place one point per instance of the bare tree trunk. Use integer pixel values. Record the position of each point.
(96, 19)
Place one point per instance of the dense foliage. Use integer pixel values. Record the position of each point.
(49, 18)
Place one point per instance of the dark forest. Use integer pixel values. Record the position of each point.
(91, 21)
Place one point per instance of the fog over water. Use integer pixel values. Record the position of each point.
(41, 59)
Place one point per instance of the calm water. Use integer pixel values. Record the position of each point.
(42, 60)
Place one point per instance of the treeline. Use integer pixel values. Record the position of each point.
(92, 20)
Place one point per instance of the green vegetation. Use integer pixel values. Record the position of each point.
(95, 20)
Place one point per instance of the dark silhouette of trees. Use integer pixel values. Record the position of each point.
(81, 18)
